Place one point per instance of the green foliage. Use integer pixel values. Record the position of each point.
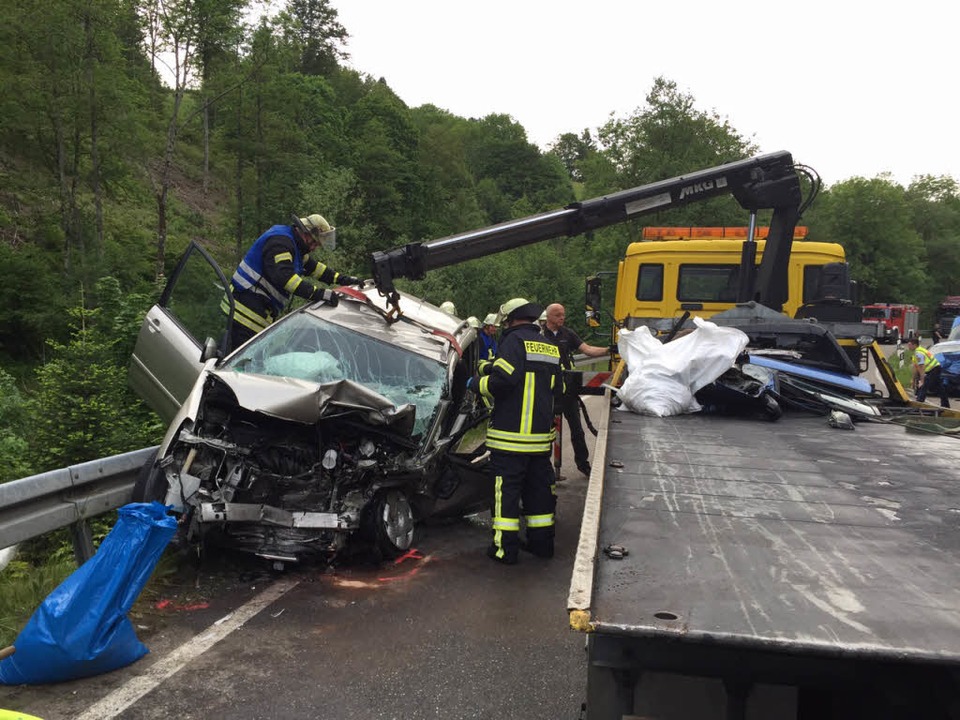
(872, 220)
(13, 441)
(23, 586)
(82, 408)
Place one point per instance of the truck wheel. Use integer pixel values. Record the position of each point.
(151, 482)
(390, 522)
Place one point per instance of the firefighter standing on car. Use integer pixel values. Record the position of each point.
(523, 384)
(273, 270)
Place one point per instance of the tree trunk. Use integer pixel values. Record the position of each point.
(164, 181)
(239, 227)
(206, 144)
(94, 137)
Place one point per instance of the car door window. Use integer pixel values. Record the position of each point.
(194, 296)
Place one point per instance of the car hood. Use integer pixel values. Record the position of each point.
(947, 346)
(307, 402)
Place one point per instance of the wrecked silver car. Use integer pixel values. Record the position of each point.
(330, 425)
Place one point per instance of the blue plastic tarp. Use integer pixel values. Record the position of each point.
(81, 628)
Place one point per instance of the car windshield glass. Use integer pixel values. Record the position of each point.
(308, 348)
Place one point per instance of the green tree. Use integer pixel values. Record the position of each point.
(872, 220)
(573, 149)
(669, 137)
(82, 408)
(319, 35)
(935, 208)
(13, 443)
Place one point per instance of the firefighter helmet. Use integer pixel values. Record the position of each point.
(520, 309)
(321, 230)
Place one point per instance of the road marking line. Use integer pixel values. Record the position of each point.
(135, 688)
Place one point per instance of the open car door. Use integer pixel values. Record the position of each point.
(167, 358)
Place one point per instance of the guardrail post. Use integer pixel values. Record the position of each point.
(83, 548)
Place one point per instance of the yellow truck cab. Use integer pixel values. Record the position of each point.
(674, 270)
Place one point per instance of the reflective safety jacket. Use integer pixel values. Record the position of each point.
(488, 346)
(272, 270)
(922, 356)
(521, 386)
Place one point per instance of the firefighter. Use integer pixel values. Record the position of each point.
(488, 337)
(273, 270)
(523, 384)
(926, 373)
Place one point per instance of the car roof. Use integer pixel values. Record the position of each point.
(422, 328)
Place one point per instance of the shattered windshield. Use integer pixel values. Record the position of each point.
(308, 348)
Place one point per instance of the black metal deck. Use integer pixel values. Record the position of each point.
(782, 549)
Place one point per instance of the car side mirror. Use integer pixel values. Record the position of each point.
(210, 350)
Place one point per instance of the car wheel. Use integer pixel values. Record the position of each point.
(391, 521)
(151, 482)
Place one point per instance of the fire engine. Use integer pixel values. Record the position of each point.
(895, 321)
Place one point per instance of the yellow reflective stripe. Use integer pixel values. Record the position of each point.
(520, 437)
(293, 283)
(497, 503)
(319, 270)
(501, 523)
(539, 521)
(503, 365)
(245, 316)
(281, 257)
(519, 447)
(526, 408)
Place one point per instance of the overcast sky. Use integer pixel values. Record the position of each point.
(851, 88)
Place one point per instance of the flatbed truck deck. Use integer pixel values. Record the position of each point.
(789, 553)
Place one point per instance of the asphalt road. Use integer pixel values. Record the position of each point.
(444, 633)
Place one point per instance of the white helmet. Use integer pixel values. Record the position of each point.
(449, 308)
(491, 319)
(520, 308)
(320, 229)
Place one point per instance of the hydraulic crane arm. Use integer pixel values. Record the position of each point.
(764, 182)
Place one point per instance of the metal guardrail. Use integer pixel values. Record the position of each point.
(68, 497)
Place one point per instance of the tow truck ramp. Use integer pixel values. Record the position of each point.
(787, 554)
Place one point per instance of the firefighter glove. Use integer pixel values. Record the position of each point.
(613, 349)
(349, 280)
(328, 296)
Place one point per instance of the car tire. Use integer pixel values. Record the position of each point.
(151, 482)
(390, 522)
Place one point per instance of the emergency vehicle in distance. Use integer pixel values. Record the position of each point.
(895, 321)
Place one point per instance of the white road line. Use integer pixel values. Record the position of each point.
(135, 688)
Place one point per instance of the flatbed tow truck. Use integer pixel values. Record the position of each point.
(755, 553)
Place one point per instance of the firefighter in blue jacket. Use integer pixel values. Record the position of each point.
(523, 383)
(273, 270)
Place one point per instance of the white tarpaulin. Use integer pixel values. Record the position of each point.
(662, 378)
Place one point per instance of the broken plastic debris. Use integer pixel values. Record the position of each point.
(840, 419)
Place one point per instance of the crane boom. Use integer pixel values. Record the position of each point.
(764, 182)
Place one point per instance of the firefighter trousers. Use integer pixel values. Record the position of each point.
(522, 483)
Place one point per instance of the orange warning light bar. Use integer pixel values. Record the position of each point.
(702, 233)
